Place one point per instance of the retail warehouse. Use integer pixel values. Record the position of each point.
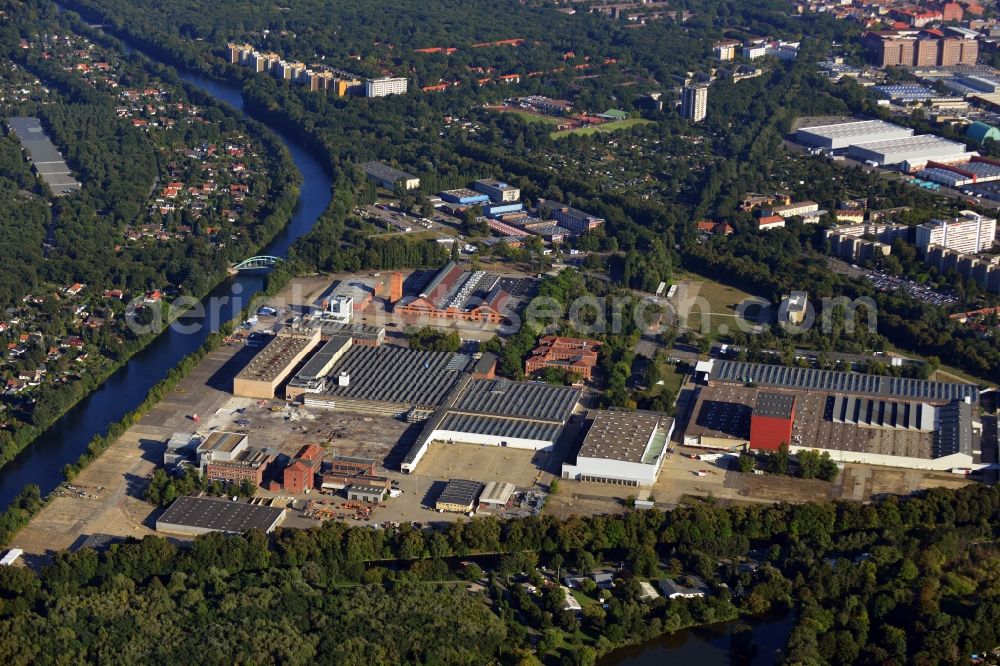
(625, 448)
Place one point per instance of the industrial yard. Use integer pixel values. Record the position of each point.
(339, 420)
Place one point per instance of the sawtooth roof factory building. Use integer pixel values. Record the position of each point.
(389, 381)
(624, 448)
(497, 412)
(869, 419)
(459, 295)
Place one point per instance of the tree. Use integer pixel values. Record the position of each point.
(778, 462)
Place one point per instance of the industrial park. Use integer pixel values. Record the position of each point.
(322, 410)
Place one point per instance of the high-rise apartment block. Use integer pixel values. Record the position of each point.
(919, 49)
(969, 233)
(385, 86)
(725, 50)
(694, 103)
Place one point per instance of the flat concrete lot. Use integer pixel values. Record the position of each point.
(679, 481)
(482, 463)
(115, 481)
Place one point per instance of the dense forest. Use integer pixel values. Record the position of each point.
(346, 35)
(900, 581)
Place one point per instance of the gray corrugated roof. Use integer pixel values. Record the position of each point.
(314, 367)
(461, 492)
(841, 382)
(218, 514)
(503, 397)
(396, 374)
(498, 426)
(954, 433)
(775, 405)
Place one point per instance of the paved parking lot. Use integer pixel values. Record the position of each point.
(893, 283)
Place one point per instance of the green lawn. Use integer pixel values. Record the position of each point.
(721, 301)
(535, 118)
(606, 127)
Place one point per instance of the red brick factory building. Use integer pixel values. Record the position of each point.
(302, 471)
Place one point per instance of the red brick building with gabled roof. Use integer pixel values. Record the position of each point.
(301, 474)
(576, 355)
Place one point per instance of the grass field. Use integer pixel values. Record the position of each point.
(535, 118)
(722, 301)
(672, 380)
(606, 127)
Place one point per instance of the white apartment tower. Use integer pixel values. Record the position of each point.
(385, 86)
(694, 102)
(968, 233)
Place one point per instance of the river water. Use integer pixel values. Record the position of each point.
(42, 461)
(725, 644)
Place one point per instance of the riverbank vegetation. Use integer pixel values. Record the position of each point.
(899, 581)
(174, 188)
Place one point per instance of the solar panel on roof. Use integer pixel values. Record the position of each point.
(815, 379)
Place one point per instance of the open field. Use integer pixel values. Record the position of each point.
(706, 304)
(679, 483)
(606, 127)
(530, 117)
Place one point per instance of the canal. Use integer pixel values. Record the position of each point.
(736, 643)
(41, 463)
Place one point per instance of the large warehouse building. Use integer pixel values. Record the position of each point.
(870, 419)
(389, 381)
(841, 135)
(192, 516)
(313, 375)
(625, 448)
(915, 150)
(497, 412)
(273, 364)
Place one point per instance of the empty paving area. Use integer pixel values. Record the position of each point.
(45, 157)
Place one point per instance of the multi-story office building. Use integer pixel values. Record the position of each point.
(569, 218)
(385, 86)
(694, 103)
(497, 190)
(969, 233)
